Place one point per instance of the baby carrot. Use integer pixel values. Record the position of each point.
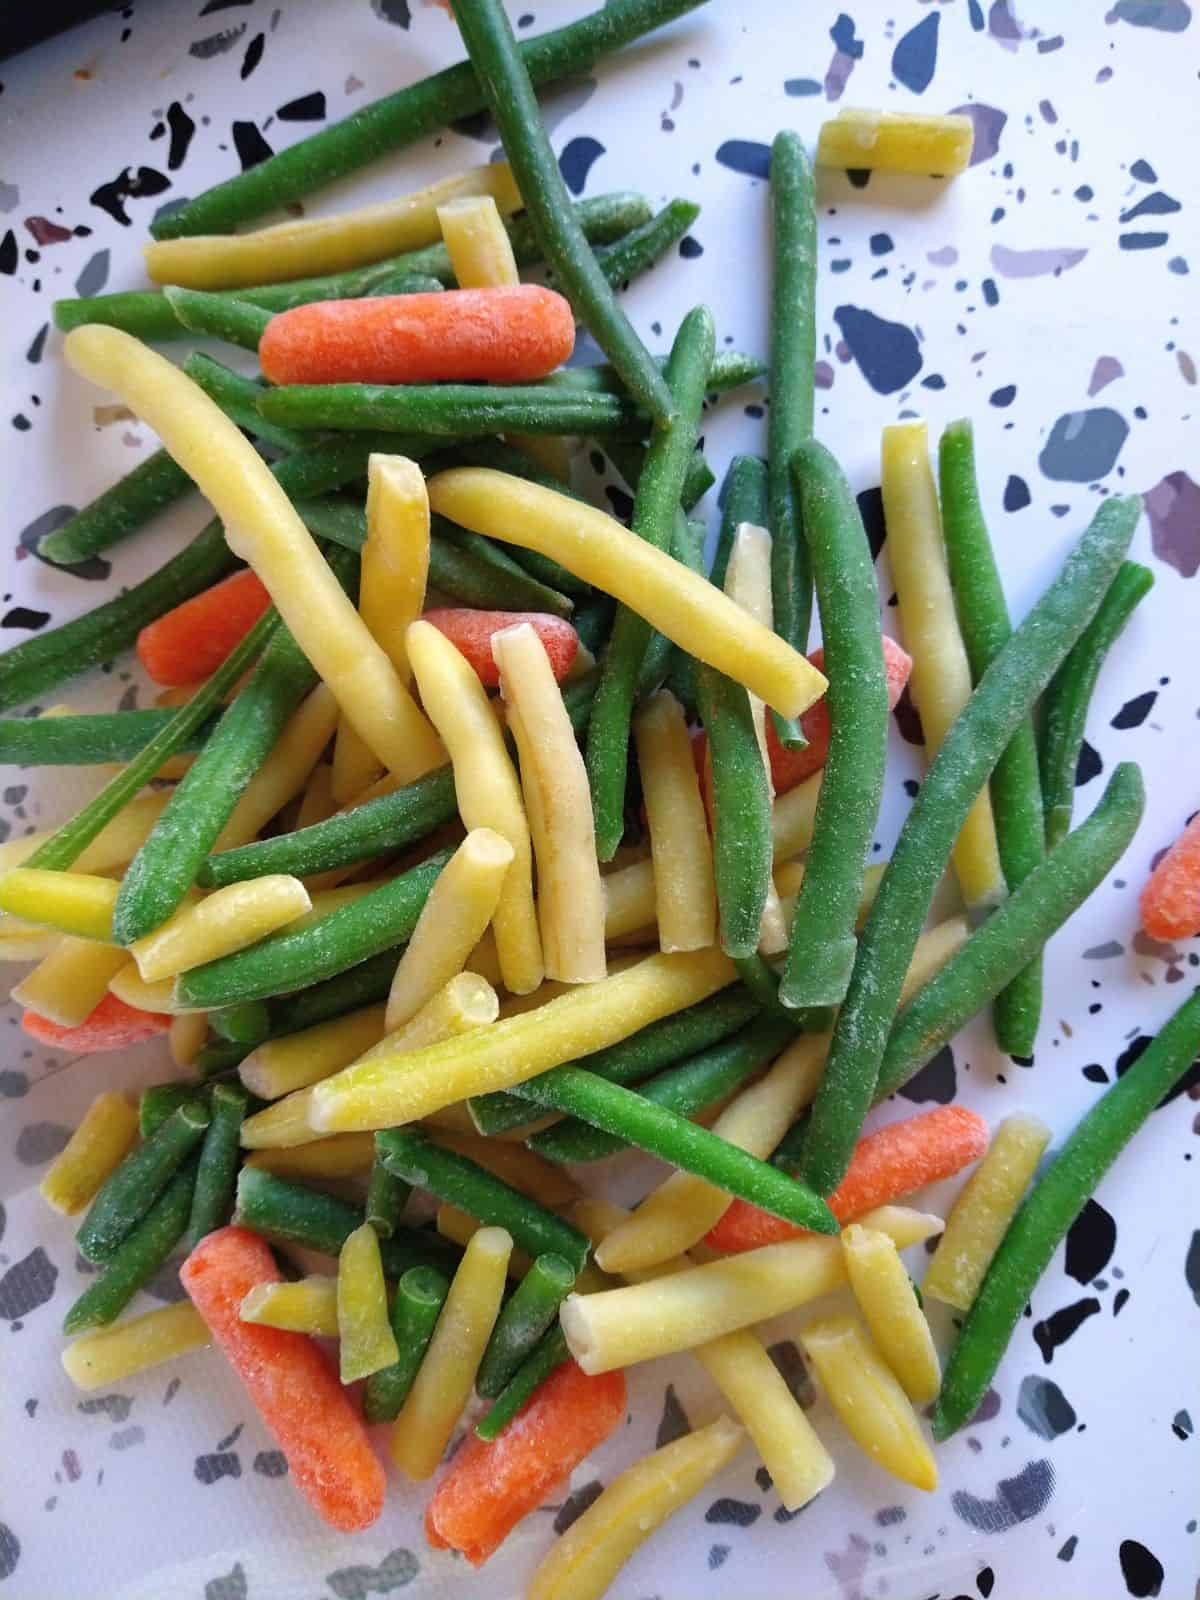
(329, 1455)
(491, 1485)
(111, 1026)
(471, 631)
(186, 644)
(1170, 902)
(504, 335)
(887, 1165)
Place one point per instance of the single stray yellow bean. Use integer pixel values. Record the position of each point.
(108, 1355)
(897, 141)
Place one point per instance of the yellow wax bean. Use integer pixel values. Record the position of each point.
(452, 921)
(523, 1169)
(395, 557)
(355, 765)
(487, 788)
(685, 895)
(941, 674)
(25, 941)
(460, 1226)
(689, 1308)
(891, 1311)
(285, 771)
(558, 804)
(466, 1002)
(679, 603)
(341, 1155)
(367, 1341)
(263, 527)
(74, 902)
(588, 1556)
(282, 1125)
(445, 1377)
(278, 1066)
(98, 1145)
(897, 141)
(129, 986)
(680, 1211)
(317, 245)
(114, 846)
(480, 250)
(986, 1204)
(69, 983)
(748, 584)
(875, 1410)
(109, 1355)
(394, 1089)
(229, 919)
(186, 1036)
(310, 1305)
(317, 803)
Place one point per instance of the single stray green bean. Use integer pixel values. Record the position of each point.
(546, 1357)
(524, 1319)
(139, 1256)
(220, 1157)
(1065, 703)
(975, 742)
(420, 1295)
(1052, 1206)
(132, 1188)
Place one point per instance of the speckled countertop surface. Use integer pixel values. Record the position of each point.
(1049, 294)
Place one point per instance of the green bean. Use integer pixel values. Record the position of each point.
(961, 767)
(629, 458)
(404, 118)
(661, 654)
(729, 369)
(220, 1157)
(654, 1128)
(654, 509)
(448, 410)
(420, 1295)
(248, 1024)
(461, 1182)
(743, 499)
(661, 1044)
(593, 622)
(522, 1322)
(129, 504)
(604, 218)
(642, 247)
(504, 78)
(219, 1057)
(156, 1103)
(1016, 789)
(139, 1256)
(292, 1214)
(685, 1087)
(293, 960)
(237, 397)
(1020, 926)
(1066, 701)
(63, 847)
(85, 741)
(1052, 1206)
(793, 359)
(546, 1357)
(822, 948)
(743, 852)
(407, 283)
(387, 1195)
(165, 868)
(132, 1188)
(359, 986)
(512, 578)
(220, 316)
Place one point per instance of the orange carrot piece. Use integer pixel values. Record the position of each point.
(189, 643)
(886, 1166)
(491, 1485)
(297, 1392)
(1170, 902)
(471, 633)
(511, 334)
(112, 1025)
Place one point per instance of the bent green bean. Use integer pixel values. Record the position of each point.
(1055, 1201)
(1004, 695)
(1016, 789)
(523, 1321)
(216, 1172)
(132, 1188)
(822, 947)
(138, 1257)
(654, 511)
(546, 1357)
(504, 78)
(420, 1295)
(1066, 701)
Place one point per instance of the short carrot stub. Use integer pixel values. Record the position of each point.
(187, 644)
(886, 1165)
(507, 334)
(111, 1026)
(311, 1416)
(471, 633)
(1170, 903)
(491, 1485)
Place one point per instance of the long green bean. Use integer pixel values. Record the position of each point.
(88, 740)
(512, 577)
(132, 1188)
(629, 458)
(237, 397)
(504, 78)
(359, 986)
(1065, 703)
(743, 499)
(530, 1310)
(642, 247)
(654, 510)
(1004, 695)
(420, 1295)
(448, 410)
(743, 853)
(822, 947)
(121, 510)
(546, 1357)
(216, 1172)
(1016, 789)
(138, 1257)
(729, 369)
(1056, 1200)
